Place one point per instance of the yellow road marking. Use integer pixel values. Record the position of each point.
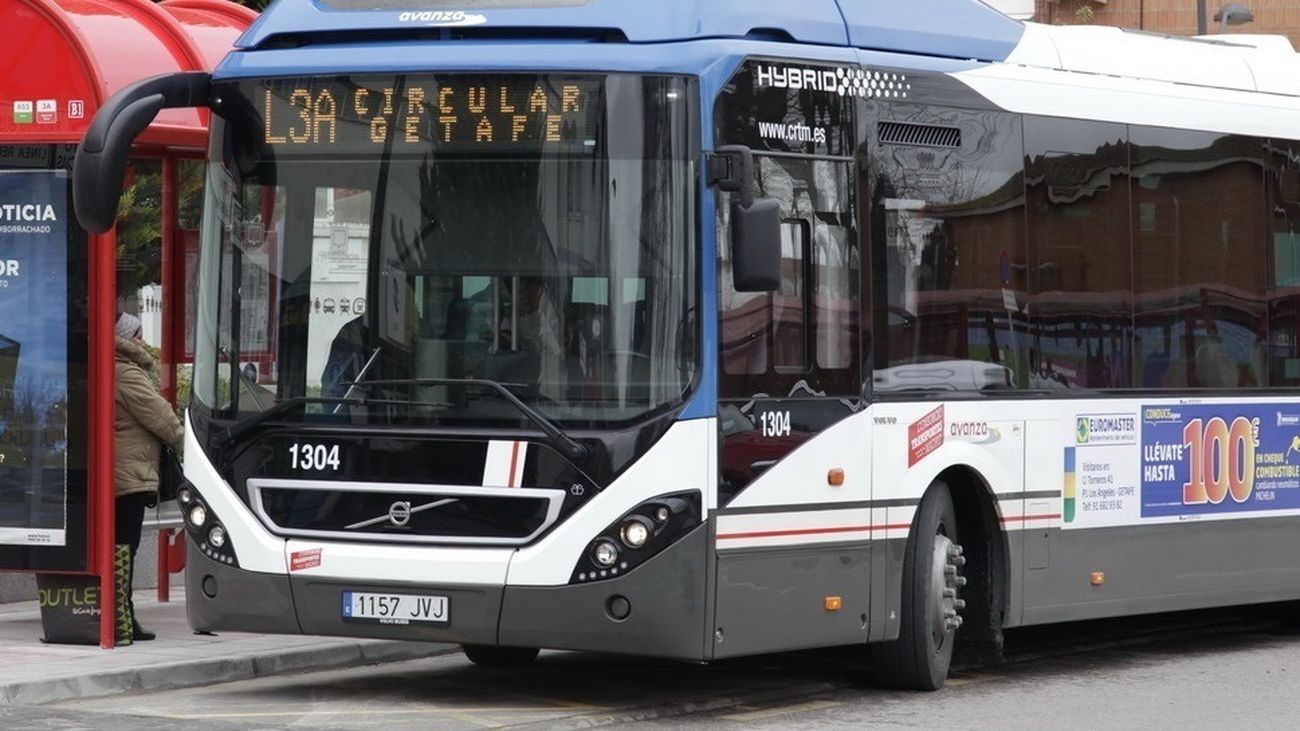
(783, 710)
(967, 679)
(467, 717)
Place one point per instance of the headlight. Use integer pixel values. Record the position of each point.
(184, 496)
(633, 538)
(605, 553)
(634, 533)
(217, 536)
(198, 516)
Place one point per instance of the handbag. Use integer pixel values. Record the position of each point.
(170, 474)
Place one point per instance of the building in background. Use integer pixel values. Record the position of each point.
(1177, 17)
(1019, 9)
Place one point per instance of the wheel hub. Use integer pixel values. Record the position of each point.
(946, 582)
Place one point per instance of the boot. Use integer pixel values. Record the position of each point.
(140, 634)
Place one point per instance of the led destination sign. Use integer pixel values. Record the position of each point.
(416, 114)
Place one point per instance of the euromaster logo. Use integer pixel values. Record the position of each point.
(1096, 429)
(443, 18)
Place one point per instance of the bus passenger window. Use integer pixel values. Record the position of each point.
(1200, 265)
(948, 245)
(1080, 260)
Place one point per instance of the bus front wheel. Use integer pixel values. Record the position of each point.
(930, 607)
(491, 656)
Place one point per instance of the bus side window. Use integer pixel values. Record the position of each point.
(948, 238)
(1200, 255)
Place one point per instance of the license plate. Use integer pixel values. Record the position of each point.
(395, 608)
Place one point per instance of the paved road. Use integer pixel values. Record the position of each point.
(1189, 673)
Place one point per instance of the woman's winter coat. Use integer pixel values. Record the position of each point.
(144, 421)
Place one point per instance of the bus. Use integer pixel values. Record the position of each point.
(704, 330)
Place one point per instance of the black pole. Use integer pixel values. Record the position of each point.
(1200, 17)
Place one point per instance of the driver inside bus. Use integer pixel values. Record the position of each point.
(538, 334)
(346, 358)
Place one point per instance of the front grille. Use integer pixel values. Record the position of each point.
(404, 513)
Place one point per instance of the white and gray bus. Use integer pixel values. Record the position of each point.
(700, 330)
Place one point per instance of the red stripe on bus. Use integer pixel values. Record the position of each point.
(793, 532)
(514, 458)
(810, 531)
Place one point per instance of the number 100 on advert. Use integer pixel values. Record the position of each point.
(1220, 458)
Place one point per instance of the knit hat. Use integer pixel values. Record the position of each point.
(127, 326)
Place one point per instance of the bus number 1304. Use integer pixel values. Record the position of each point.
(314, 457)
(775, 423)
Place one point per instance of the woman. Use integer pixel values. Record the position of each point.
(144, 421)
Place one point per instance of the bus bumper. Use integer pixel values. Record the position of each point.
(664, 599)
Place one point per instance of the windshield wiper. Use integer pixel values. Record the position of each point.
(567, 445)
(360, 376)
(249, 423)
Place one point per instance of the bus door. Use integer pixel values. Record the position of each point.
(793, 480)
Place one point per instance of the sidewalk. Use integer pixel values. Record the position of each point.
(33, 672)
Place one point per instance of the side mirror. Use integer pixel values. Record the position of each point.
(98, 169)
(756, 246)
(755, 223)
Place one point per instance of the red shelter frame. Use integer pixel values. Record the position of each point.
(78, 53)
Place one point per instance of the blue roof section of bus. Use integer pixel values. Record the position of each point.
(965, 29)
(808, 21)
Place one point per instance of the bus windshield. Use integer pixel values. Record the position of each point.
(372, 243)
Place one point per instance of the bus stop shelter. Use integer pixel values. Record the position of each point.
(63, 59)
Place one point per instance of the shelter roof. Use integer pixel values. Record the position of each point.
(66, 57)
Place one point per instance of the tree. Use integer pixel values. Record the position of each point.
(139, 220)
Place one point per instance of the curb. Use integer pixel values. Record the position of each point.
(220, 669)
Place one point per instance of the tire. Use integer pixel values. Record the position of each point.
(930, 610)
(491, 656)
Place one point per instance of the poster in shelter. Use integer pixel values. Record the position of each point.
(34, 378)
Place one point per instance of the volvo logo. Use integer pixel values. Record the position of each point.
(399, 513)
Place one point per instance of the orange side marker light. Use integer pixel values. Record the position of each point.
(833, 604)
(835, 477)
(1097, 578)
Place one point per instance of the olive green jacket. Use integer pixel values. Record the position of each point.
(144, 420)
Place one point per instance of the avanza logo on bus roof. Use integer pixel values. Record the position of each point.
(447, 18)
